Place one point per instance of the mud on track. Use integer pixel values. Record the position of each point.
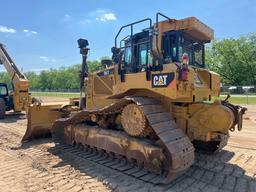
(39, 165)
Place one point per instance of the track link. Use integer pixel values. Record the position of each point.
(178, 145)
(112, 161)
(178, 150)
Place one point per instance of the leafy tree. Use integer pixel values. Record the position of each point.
(55, 79)
(4, 78)
(33, 79)
(94, 65)
(234, 59)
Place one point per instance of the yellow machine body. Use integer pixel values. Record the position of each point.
(198, 119)
(152, 105)
(21, 96)
(41, 118)
(186, 100)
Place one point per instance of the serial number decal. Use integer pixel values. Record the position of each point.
(162, 80)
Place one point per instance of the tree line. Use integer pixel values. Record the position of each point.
(233, 58)
(64, 78)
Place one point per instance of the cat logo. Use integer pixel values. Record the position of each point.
(162, 80)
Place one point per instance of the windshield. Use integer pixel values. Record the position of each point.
(175, 44)
(194, 51)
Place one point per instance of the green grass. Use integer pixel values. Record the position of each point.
(54, 94)
(234, 99)
(241, 99)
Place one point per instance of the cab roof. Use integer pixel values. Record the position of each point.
(191, 25)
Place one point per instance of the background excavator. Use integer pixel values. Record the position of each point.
(151, 106)
(19, 99)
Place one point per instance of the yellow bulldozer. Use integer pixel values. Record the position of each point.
(152, 104)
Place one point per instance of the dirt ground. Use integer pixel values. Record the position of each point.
(40, 165)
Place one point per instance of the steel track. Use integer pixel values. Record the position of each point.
(179, 149)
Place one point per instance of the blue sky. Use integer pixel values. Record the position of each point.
(42, 34)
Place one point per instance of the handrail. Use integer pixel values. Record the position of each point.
(157, 33)
(123, 40)
(153, 31)
(143, 42)
(161, 14)
(131, 25)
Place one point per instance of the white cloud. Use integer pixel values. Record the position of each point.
(29, 32)
(43, 57)
(107, 17)
(66, 18)
(47, 59)
(4, 29)
(100, 15)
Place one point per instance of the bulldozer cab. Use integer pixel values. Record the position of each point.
(164, 42)
(147, 56)
(174, 45)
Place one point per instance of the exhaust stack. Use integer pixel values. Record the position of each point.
(82, 44)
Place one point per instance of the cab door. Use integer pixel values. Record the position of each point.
(5, 96)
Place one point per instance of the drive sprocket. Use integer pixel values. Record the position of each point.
(134, 121)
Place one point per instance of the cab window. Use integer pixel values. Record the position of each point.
(3, 90)
(137, 53)
(198, 54)
(175, 44)
(144, 55)
(128, 55)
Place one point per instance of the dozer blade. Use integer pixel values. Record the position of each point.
(40, 119)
